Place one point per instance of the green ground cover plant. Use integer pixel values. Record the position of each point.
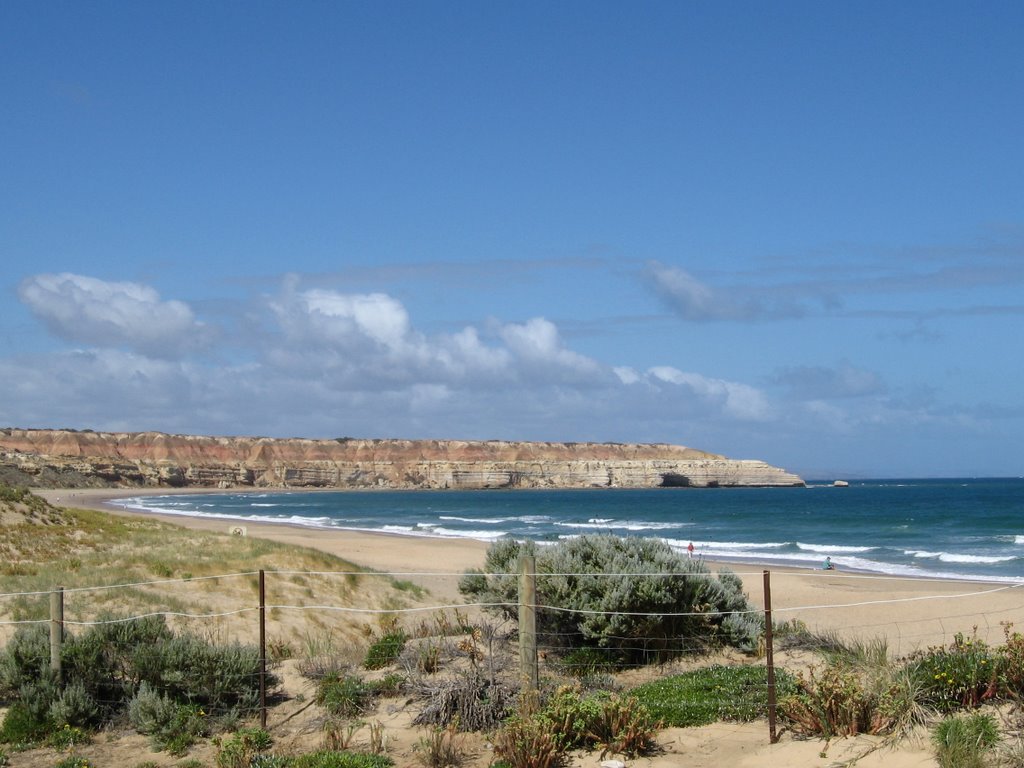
(714, 693)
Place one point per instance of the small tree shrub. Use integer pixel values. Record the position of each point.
(965, 742)
(658, 605)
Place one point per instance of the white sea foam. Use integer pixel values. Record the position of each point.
(622, 525)
(451, 533)
(947, 557)
(485, 520)
(1018, 539)
(831, 548)
(950, 557)
(742, 545)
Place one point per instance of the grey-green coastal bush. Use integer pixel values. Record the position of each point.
(174, 681)
(635, 599)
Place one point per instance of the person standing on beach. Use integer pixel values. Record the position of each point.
(689, 551)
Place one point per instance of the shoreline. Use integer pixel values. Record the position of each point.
(910, 613)
(102, 499)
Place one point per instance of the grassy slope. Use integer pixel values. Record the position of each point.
(42, 546)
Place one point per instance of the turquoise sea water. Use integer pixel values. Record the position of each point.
(941, 528)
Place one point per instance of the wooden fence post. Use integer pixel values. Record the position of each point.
(56, 630)
(528, 621)
(263, 650)
(769, 655)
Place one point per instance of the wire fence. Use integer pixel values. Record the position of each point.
(310, 616)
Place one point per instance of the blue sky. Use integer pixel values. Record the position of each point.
(788, 231)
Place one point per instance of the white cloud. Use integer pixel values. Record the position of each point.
(537, 343)
(694, 300)
(112, 314)
(730, 398)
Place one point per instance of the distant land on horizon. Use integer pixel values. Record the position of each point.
(66, 457)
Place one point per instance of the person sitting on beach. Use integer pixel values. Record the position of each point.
(827, 565)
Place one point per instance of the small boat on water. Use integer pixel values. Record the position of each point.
(839, 484)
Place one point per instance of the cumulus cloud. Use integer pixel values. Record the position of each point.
(112, 314)
(357, 340)
(725, 398)
(537, 343)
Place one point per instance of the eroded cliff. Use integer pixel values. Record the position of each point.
(153, 459)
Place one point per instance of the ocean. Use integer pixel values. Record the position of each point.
(950, 528)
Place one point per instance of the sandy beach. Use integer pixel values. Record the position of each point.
(912, 614)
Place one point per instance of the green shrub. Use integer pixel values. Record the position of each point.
(332, 759)
(73, 761)
(242, 749)
(344, 695)
(674, 604)
(624, 726)
(28, 719)
(75, 706)
(962, 675)
(67, 737)
(385, 650)
(964, 742)
(834, 703)
(24, 659)
(265, 760)
(108, 663)
(528, 743)
(389, 685)
(189, 668)
(704, 696)
(171, 726)
(618, 724)
(1011, 663)
(22, 727)
(537, 737)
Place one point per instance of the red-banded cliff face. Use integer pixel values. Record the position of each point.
(64, 457)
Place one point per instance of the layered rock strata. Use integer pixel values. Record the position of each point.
(154, 459)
